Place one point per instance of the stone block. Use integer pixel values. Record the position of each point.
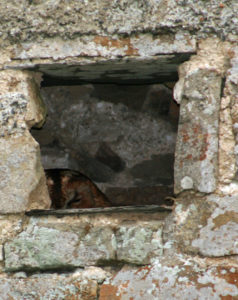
(102, 17)
(10, 226)
(227, 155)
(207, 226)
(21, 105)
(199, 91)
(133, 136)
(228, 148)
(22, 179)
(22, 184)
(81, 284)
(107, 46)
(197, 143)
(44, 248)
(138, 244)
(173, 278)
(71, 242)
(219, 237)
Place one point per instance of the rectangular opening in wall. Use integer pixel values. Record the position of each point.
(121, 136)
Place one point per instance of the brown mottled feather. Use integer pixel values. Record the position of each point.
(72, 189)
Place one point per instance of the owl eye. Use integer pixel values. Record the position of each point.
(74, 199)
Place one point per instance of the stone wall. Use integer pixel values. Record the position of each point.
(189, 251)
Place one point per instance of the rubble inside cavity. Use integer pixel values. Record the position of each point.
(122, 137)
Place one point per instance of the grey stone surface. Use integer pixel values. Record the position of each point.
(197, 144)
(134, 136)
(22, 182)
(120, 136)
(126, 70)
(70, 242)
(229, 119)
(13, 108)
(45, 248)
(81, 284)
(40, 248)
(10, 226)
(219, 237)
(34, 20)
(21, 105)
(198, 133)
(96, 46)
(175, 277)
(207, 226)
(137, 244)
